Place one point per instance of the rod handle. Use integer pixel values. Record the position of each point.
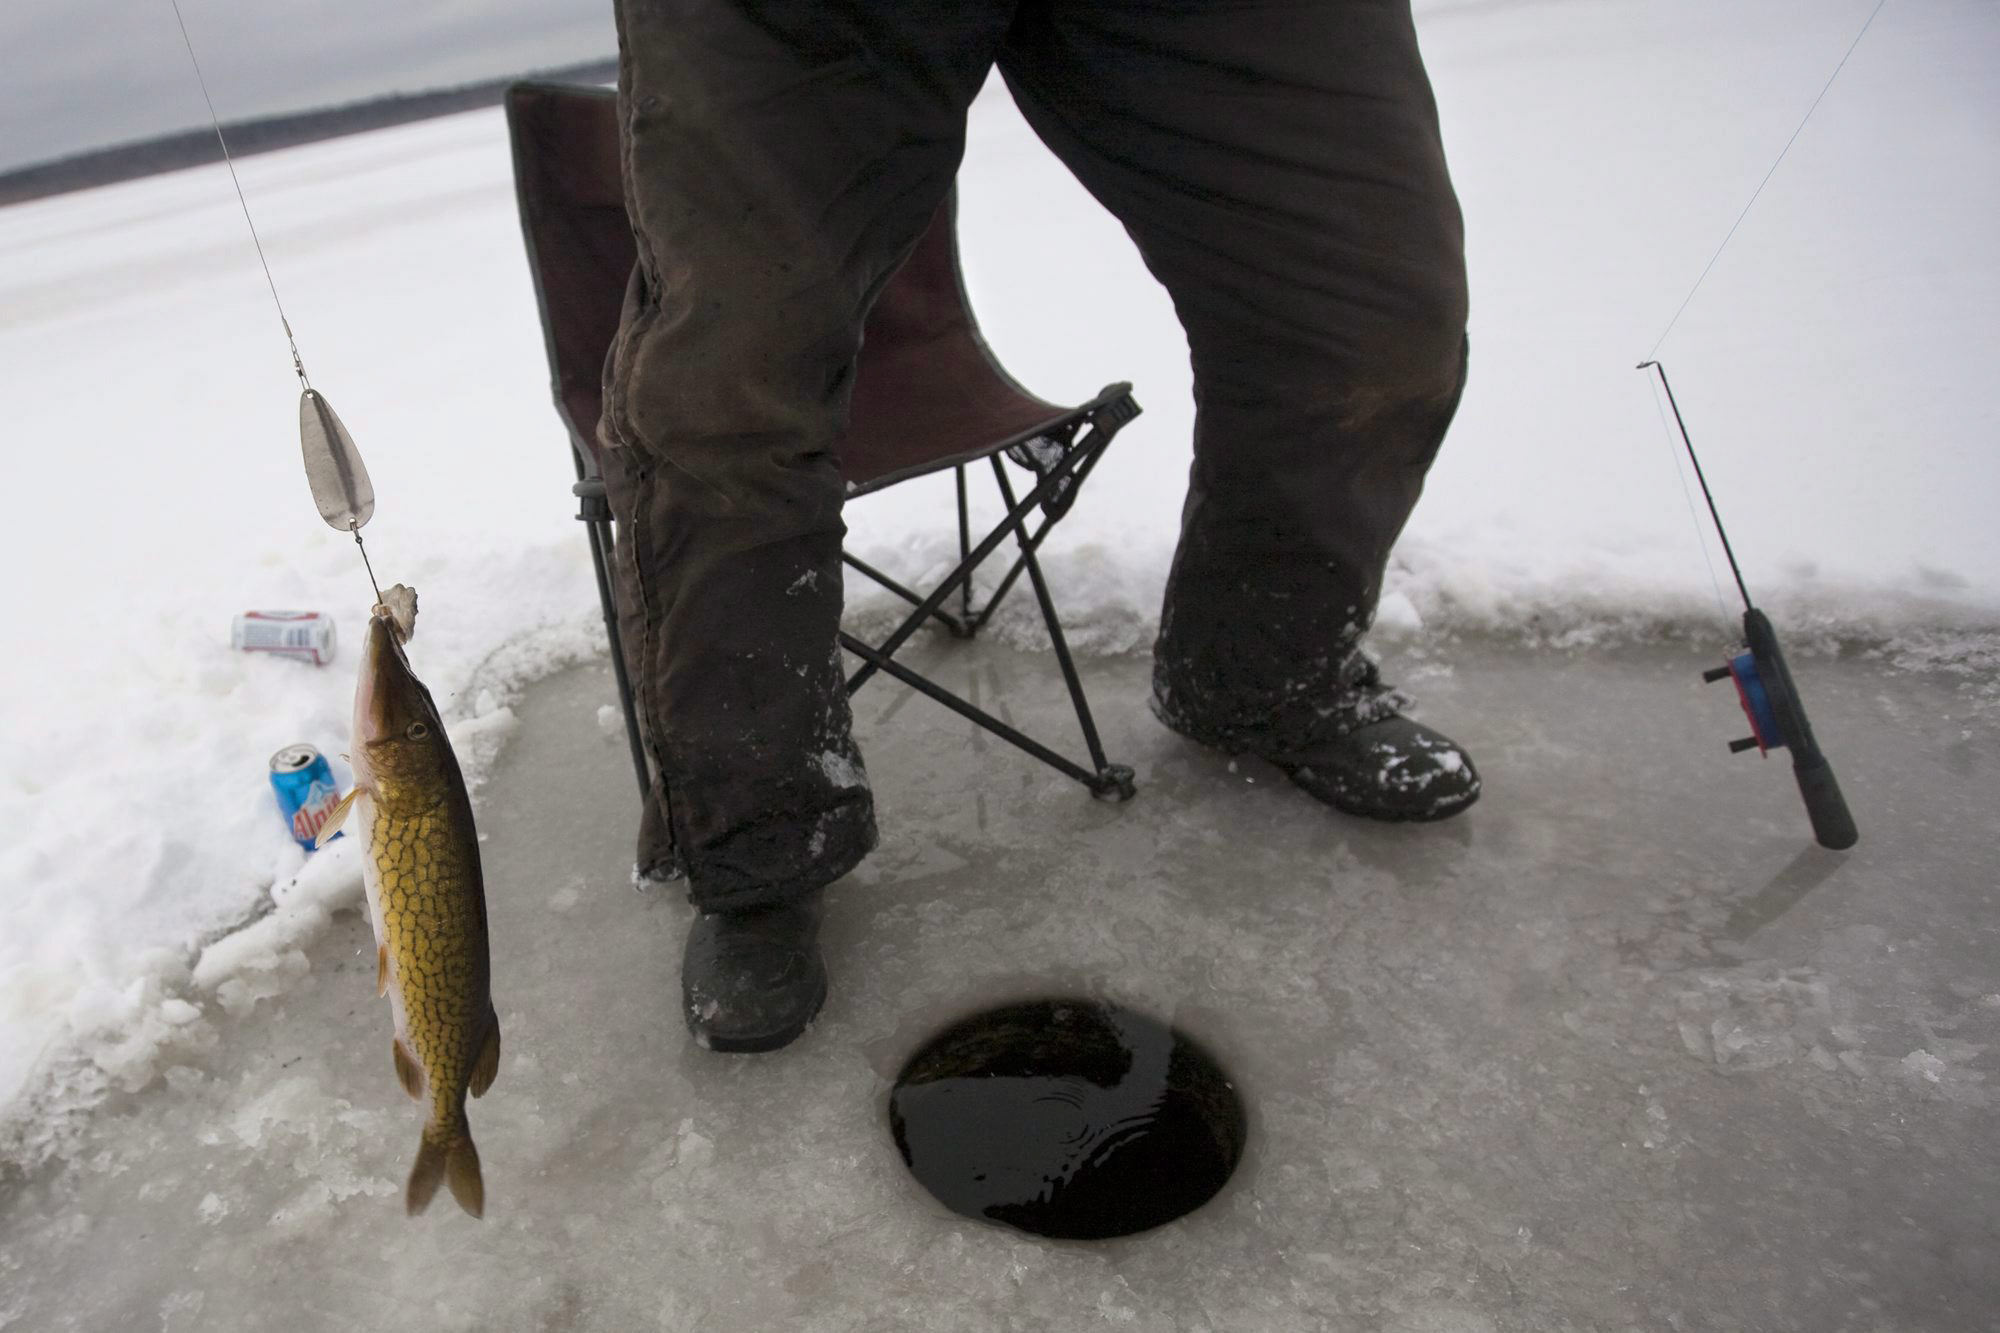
(1832, 825)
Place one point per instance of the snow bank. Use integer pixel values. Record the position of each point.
(1600, 153)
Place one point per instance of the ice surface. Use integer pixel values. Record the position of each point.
(1600, 152)
(1617, 1049)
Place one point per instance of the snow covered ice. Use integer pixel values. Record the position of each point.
(1448, 1032)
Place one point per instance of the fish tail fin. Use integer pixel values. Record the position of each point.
(426, 1175)
(461, 1169)
(446, 1156)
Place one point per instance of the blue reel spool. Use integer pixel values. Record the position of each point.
(1778, 722)
(1766, 733)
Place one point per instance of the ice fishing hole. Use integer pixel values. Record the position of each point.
(1073, 1119)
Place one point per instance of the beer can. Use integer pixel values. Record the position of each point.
(306, 635)
(306, 790)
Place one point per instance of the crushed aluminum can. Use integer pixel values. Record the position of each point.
(306, 635)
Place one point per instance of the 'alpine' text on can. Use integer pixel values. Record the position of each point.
(306, 791)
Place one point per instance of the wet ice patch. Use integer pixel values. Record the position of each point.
(1923, 1065)
(334, 1149)
(1746, 1022)
(670, 1164)
(1440, 1317)
(566, 897)
(182, 1310)
(1948, 1067)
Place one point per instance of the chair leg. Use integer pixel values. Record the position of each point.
(1089, 451)
(1052, 492)
(967, 625)
(601, 546)
(593, 507)
(1017, 516)
(958, 628)
(1111, 778)
(1103, 782)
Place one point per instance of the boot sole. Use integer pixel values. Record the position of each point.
(1399, 817)
(1380, 815)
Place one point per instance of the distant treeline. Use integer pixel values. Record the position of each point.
(193, 148)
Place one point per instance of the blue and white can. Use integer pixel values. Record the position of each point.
(306, 790)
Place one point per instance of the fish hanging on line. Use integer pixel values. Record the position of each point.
(413, 816)
(426, 900)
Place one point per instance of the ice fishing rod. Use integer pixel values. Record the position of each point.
(341, 490)
(1764, 684)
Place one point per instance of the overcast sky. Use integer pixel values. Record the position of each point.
(77, 74)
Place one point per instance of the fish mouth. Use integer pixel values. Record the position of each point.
(388, 698)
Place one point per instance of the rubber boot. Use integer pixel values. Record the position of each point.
(1392, 769)
(752, 981)
(1359, 755)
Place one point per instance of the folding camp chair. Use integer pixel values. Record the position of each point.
(928, 395)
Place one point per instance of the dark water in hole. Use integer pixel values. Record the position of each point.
(1067, 1118)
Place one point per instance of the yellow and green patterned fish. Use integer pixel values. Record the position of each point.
(429, 908)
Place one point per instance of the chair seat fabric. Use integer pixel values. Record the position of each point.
(927, 391)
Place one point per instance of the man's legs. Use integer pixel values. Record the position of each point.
(1280, 168)
(780, 160)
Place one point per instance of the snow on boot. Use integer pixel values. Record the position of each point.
(752, 981)
(1392, 769)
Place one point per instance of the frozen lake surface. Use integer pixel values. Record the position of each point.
(1617, 1049)
(1828, 368)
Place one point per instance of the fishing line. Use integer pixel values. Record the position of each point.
(1766, 181)
(339, 480)
(298, 364)
(367, 564)
(1652, 362)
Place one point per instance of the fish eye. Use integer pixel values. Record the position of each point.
(417, 731)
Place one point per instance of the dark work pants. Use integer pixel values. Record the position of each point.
(1279, 167)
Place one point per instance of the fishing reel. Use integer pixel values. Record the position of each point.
(1778, 721)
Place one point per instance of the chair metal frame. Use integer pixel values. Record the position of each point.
(1082, 440)
(1060, 458)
